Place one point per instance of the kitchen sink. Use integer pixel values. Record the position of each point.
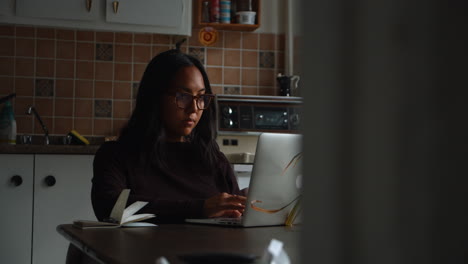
(40, 140)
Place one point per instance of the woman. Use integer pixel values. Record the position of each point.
(167, 154)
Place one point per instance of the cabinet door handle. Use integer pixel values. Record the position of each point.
(16, 180)
(89, 4)
(115, 5)
(50, 180)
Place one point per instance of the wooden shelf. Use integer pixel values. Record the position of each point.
(232, 27)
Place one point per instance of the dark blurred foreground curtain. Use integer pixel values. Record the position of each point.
(385, 125)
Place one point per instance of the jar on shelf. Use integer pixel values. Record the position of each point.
(225, 11)
(214, 11)
(206, 12)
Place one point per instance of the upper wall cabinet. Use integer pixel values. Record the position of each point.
(152, 16)
(58, 9)
(147, 12)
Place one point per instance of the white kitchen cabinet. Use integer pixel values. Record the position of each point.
(168, 17)
(57, 9)
(16, 204)
(65, 198)
(149, 16)
(145, 12)
(56, 189)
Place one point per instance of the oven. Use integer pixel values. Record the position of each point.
(255, 114)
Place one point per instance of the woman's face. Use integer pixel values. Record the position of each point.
(179, 122)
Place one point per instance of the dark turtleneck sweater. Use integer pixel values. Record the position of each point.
(173, 194)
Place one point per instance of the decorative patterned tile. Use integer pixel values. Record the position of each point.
(135, 89)
(104, 52)
(266, 60)
(44, 87)
(198, 53)
(102, 108)
(231, 90)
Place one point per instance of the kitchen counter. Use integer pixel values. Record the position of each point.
(49, 149)
(234, 158)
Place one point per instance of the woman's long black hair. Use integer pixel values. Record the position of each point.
(144, 131)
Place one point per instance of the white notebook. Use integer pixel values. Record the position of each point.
(120, 215)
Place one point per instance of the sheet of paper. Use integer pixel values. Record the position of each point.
(119, 207)
(132, 209)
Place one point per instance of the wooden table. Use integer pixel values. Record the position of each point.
(146, 244)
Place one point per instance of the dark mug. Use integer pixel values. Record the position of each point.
(285, 84)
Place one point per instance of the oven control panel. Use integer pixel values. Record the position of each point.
(251, 115)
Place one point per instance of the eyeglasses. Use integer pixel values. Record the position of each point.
(183, 100)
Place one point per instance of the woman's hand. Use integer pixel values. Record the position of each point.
(224, 205)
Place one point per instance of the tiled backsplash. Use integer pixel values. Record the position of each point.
(87, 80)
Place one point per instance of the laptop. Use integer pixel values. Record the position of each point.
(274, 184)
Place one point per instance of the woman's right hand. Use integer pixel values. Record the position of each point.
(224, 205)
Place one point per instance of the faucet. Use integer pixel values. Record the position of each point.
(32, 110)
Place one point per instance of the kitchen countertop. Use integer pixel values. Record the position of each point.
(234, 158)
(49, 149)
(57, 148)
